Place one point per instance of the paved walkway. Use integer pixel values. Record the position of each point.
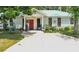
(45, 42)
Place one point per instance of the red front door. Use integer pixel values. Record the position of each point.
(31, 24)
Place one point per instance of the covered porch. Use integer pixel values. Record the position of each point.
(33, 22)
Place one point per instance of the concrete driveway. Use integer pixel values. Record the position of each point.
(45, 42)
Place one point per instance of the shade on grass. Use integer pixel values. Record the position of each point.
(8, 39)
(6, 43)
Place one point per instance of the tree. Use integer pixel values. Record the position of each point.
(74, 10)
(4, 21)
(63, 8)
(25, 10)
(10, 12)
(46, 7)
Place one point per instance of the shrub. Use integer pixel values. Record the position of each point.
(75, 34)
(12, 28)
(46, 29)
(67, 30)
(1, 30)
(60, 29)
(53, 28)
(50, 29)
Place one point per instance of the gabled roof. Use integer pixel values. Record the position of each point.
(49, 13)
(54, 13)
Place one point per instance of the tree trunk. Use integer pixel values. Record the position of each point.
(76, 26)
(5, 25)
(11, 22)
(13, 27)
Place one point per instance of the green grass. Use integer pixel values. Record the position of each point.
(8, 39)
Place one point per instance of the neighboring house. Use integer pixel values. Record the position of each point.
(41, 18)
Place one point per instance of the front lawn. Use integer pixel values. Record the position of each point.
(8, 39)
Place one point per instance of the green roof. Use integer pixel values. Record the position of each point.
(54, 13)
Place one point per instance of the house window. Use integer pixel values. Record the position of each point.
(59, 22)
(50, 21)
(71, 21)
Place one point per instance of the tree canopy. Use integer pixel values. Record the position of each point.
(10, 12)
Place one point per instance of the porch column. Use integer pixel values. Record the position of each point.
(24, 23)
(42, 22)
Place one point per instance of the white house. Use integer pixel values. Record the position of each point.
(41, 18)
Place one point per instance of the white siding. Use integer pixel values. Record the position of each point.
(18, 22)
(45, 21)
(65, 21)
(35, 23)
(54, 21)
